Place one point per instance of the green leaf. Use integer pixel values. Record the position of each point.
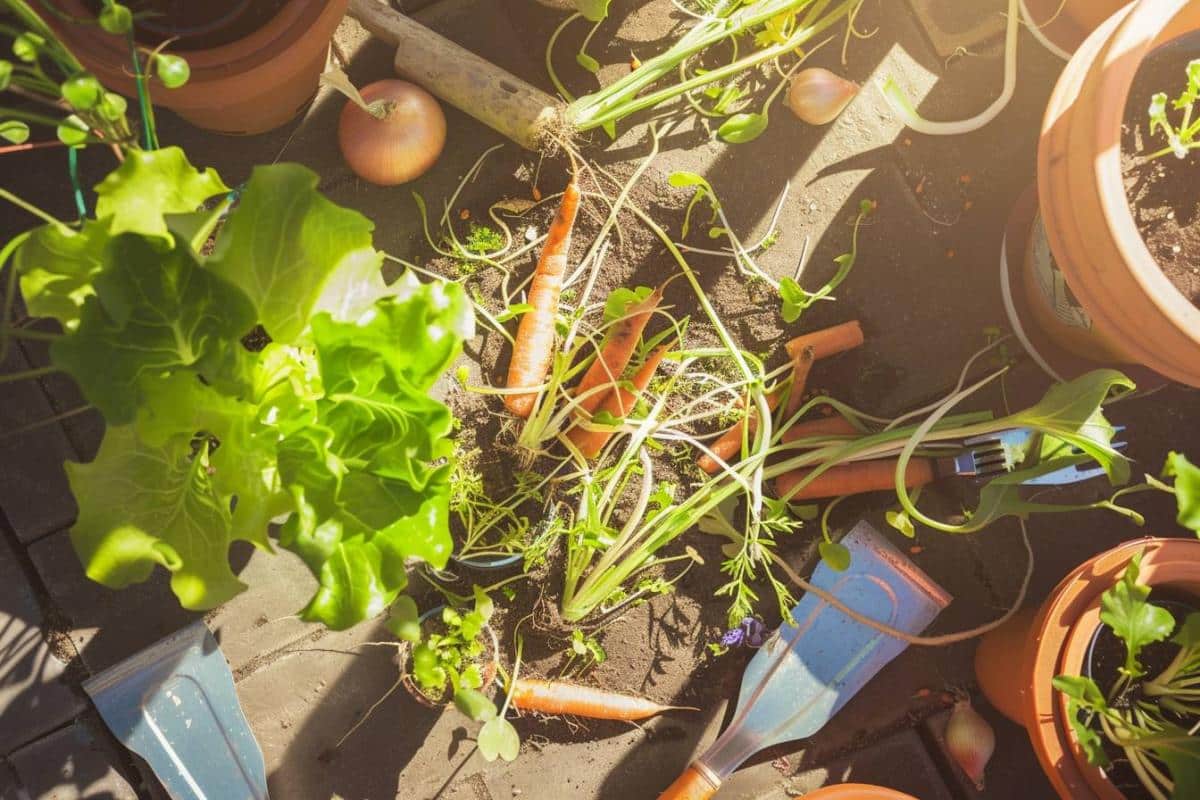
(742, 128)
(592, 10)
(57, 265)
(1182, 756)
(901, 522)
(475, 705)
(82, 91)
(498, 739)
(73, 131)
(1125, 609)
(1187, 490)
(683, 179)
(1188, 635)
(1084, 695)
(402, 619)
(587, 62)
(514, 311)
(150, 184)
(484, 605)
(153, 311)
(1158, 113)
(617, 304)
(15, 131)
(835, 554)
(142, 506)
(295, 253)
(795, 300)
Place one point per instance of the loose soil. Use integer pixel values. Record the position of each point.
(1107, 656)
(198, 25)
(1162, 193)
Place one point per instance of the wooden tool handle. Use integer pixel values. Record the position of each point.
(691, 785)
(855, 478)
(473, 85)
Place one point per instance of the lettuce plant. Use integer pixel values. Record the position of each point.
(328, 429)
(1181, 137)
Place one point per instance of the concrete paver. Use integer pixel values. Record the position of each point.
(73, 763)
(33, 697)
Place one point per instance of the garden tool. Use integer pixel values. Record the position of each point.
(807, 671)
(174, 704)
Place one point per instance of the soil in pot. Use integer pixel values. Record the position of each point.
(1107, 655)
(1162, 193)
(197, 26)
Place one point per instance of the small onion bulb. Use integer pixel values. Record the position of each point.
(399, 144)
(817, 95)
(970, 741)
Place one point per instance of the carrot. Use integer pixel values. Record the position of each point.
(730, 442)
(618, 403)
(614, 356)
(533, 350)
(826, 426)
(554, 697)
(857, 477)
(829, 341)
(801, 365)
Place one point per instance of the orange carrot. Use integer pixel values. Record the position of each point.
(801, 365)
(618, 402)
(534, 347)
(826, 426)
(856, 477)
(553, 697)
(614, 356)
(730, 442)
(829, 341)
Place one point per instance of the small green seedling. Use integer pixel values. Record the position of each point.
(797, 300)
(452, 661)
(1181, 139)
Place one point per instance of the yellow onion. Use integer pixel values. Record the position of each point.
(397, 137)
(817, 95)
(970, 741)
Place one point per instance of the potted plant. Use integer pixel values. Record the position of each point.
(1017, 663)
(254, 65)
(1091, 280)
(1064, 24)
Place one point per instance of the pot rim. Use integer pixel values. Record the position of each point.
(858, 791)
(1174, 560)
(1140, 33)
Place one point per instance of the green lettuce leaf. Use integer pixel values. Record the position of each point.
(57, 265)
(294, 252)
(154, 311)
(150, 184)
(141, 506)
(1187, 490)
(1125, 609)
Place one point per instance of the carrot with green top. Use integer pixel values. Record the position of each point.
(533, 350)
(729, 444)
(618, 403)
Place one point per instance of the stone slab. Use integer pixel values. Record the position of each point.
(1014, 770)
(108, 625)
(34, 494)
(78, 762)
(950, 24)
(34, 698)
(84, 430)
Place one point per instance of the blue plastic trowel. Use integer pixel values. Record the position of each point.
(174, 704)
(807, 671)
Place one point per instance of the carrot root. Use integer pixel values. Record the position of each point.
(729, 443)
(854, 478)
(828, 341)
(801, 366)
(555, 697)
(618, 402)
(616, 353)
(826, 426)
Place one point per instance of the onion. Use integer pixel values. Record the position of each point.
(398, 139)
(970, 740)
(817, 95)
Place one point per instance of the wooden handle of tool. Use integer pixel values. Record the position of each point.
(473, 85)
(858, 477)
(691, 785)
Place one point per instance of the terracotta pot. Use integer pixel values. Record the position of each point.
(249, 86)
(404, 661)
(1016, 679)
(1066, 23)
(857, 791)
(1090, 279)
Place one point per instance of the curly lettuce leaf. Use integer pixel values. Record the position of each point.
(295, 252)
(154, 311)
(1126, 609)
(142, 505)
(1187, 490)
(150, 184)
(57, 265)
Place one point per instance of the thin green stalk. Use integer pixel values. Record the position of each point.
(32, 209)
(149, 130)
(28, 374)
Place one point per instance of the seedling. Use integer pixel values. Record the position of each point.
(1180, 137)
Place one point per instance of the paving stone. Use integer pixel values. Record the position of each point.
(1014, 770)
(84, 430)
(10, 784)
(951, 24)
(34, 494)
(77, 762)
(108, 625)
(34, 698)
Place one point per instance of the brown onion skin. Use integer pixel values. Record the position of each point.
(400, 147)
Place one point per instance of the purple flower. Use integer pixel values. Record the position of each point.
(749, 633)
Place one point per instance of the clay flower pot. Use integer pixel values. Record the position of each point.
(1090, 280)
(250, 85)
(404, 661)
(857, 791)
(1016, 662)
(1066, 29)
